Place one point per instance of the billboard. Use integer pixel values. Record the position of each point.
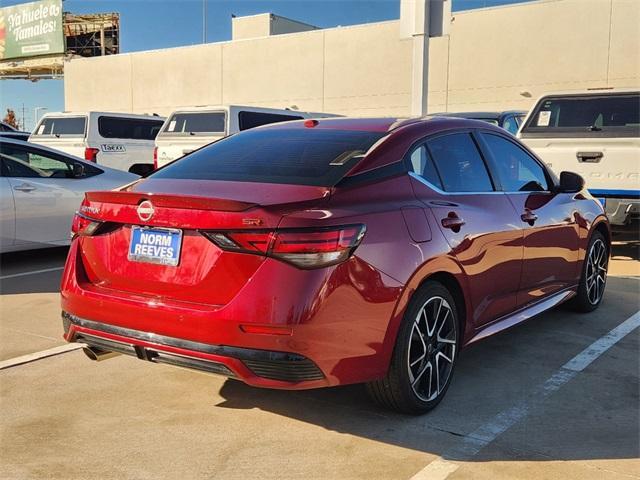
(31, 29)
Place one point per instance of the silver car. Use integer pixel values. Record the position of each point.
(40, 190)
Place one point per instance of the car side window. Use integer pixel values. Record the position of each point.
(422, 164)
(510, 125)
(459, 163)
(20, 162)
(518, 171)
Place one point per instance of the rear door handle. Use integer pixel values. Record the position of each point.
(529, 217)
(453, 222)
(589, 157)
(25, 187)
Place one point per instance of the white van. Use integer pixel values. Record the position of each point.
(188, 129)
(595, 133)
(117, 140)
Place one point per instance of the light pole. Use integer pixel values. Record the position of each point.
(204, 21)
(35, 115)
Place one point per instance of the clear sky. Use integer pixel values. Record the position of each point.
(152, 24)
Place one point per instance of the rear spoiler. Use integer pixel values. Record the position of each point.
(170, 201)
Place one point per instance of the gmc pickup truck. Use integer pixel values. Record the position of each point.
(595, 133)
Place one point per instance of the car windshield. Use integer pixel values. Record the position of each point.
(309, 156)
(587, 115)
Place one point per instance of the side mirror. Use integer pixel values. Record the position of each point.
(570, 182)
(78, 170)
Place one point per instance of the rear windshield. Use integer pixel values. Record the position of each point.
(195, 122)
(58, 126)
(291, 156)
(129, 128)
(586, 115)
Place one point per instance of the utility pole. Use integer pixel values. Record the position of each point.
(22, 119)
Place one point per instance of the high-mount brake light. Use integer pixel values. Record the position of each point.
(304, 248)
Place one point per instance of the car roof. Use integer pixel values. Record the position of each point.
(402, 133)
(147, 116)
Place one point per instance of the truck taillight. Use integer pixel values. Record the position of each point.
(304, 248)
(155, 158)
(91, 154)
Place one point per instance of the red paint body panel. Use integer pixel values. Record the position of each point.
(344, 318)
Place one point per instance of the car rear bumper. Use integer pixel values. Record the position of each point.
(335, 321)
(256, 367)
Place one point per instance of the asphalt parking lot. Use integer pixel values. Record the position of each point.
(518, 406)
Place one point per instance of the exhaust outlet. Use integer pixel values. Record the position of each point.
(97, 354)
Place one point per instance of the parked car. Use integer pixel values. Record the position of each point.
(9, 131)
(40, 191)
(325, 252)
(597, 134)
(116, 140)
(510, 120)
(188, 129)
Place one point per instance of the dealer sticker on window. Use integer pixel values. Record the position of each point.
(543, 118)
(155, 245)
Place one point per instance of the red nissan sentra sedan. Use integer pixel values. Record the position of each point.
(326, 252)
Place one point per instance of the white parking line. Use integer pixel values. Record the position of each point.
(440, 469)
(32, 357)
(33, 272)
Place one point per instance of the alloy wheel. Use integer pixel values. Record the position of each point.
(596, 274)
(432, 348)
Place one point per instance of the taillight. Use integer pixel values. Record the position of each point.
(91, 154)
(304, 248)
(83, 225)
(155, 158)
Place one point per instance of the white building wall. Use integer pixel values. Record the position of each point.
(489, 59)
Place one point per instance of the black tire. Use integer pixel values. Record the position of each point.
(586, 299)
(404, 389)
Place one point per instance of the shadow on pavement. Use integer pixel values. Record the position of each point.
(594, 416)
(17, 263)
(625, 251)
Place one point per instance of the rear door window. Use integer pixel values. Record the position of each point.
(422, 164)
(247, 120)
(309, 156)
(128, 128)
(62, 126)
(459, 163)
(190, 123)
(586, 116)
(18, 161)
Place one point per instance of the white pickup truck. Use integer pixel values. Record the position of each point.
(595, 133)
(188, 129)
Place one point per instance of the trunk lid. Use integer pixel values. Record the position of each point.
(205, 273)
